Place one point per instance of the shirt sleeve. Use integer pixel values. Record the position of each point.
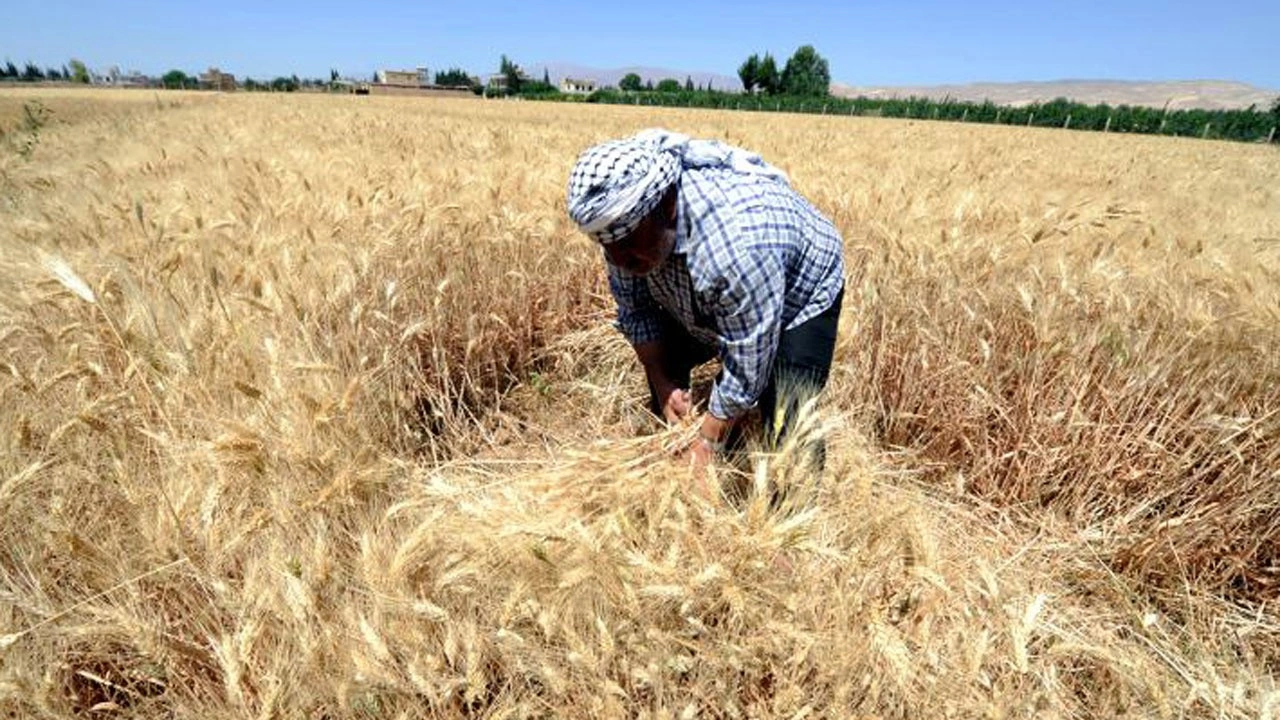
(637, 310)
(749, 316)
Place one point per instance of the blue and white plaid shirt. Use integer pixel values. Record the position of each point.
(752, 258)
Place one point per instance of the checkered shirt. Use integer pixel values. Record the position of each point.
(752, 258)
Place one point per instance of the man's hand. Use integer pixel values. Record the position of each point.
(698, 457)
(701, 455)
(676, 404)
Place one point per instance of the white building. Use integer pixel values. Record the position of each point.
(404, 78)
(574, 86)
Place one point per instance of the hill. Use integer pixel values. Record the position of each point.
(1178, 95)
(1175, 94)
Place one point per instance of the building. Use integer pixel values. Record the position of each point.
(215, 79)
(136, 79)
(404, 78)
(574, 86)
(498, 82)
(115, 78)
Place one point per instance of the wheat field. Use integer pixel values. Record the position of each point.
(311, 407)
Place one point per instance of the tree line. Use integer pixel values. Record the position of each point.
(1246, 124)
(806, 73)
(73, 71)
(803, 85)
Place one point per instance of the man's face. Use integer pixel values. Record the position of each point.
(646, 248)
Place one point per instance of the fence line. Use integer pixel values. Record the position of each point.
(1238, 125)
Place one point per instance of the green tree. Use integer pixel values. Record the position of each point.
(453, 77)
(546, 76)
(648, 85)
(512, 73)
(767, 77)
(537, 88)
(174, 79)
(688, 83)
(10, 70)
(79, 72)
(806, 73)
(32, 73)
(333, 75)
(285, 84)
(749, 73)
(630, 82)
(1275, 110)
(669, 85)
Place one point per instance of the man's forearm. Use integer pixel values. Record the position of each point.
(650, 354)
(711, 427)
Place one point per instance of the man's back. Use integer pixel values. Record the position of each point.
(737, 228)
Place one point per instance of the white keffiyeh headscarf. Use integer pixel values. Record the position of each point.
(616, 183)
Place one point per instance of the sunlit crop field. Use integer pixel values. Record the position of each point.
(310, 406)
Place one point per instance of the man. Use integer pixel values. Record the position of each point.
(710, 251)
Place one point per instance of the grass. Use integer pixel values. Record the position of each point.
(310, 406)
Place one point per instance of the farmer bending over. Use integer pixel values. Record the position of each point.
(710, 251)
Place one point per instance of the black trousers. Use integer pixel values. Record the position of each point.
(800, 368)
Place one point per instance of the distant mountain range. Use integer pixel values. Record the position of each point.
(1178, 94)
(612, 76)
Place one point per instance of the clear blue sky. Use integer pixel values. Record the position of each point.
(866, 43)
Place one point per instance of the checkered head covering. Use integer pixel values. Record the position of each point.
(615, 184)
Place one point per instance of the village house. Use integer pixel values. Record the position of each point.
(215, 79)
(404, 83)
(497, 82)
(115, 78)
(404, 78)
(574, 86)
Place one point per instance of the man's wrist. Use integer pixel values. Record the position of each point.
(713, 431)
(716, 447)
